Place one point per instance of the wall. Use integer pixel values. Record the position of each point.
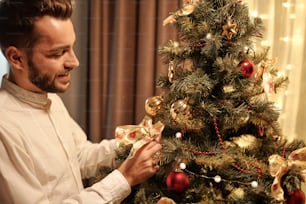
(3, 66)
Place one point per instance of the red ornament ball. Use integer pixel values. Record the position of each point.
(296, 197)
(247, 68)
(177, 181)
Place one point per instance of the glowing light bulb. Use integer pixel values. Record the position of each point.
(209, 36)
(281, 74)
(289, 67)
(265, 43)
(254, 14)
(286, 4)
(264, 16)
(292, 16)
(278, 105)
(285, 39)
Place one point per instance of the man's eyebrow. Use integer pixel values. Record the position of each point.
(59, 48)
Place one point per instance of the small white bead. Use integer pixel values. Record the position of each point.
(182, 166)
(254, 184)
(217, 179)
(209, 36)
(246, 48)
(176, 44)
(178, 135)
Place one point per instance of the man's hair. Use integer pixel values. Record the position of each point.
(17, 18)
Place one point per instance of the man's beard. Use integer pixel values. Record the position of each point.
(42, 81)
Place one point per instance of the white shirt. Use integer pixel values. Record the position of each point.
(44, 154)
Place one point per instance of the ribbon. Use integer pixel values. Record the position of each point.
(278, 167)
(188, 8)
(138, 135)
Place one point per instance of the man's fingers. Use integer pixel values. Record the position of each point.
(153, 146)
(158, 138)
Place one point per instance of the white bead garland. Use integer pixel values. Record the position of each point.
(182, 166)
(209, 36)
(178, 135)
(217, 179)
(254, 184)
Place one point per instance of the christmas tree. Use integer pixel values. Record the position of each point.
(222, 142)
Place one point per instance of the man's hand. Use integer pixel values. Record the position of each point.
(139, 168)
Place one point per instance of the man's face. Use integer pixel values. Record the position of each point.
(52, 57)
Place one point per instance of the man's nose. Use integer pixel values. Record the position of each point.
(72, 60)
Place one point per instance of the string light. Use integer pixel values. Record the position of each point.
(254, 14)
(285, 39)
(286, 4)
(278, 105)
(281, 74)
(209, 36)
(292, 16)
(265, 43)
(289, 67)
(264, 16)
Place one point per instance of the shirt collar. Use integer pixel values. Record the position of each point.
(36, 100)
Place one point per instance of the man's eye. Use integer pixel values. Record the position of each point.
(58, 53)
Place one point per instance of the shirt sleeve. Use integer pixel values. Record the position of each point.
(20, 185)
(113, 189)
(93, 156)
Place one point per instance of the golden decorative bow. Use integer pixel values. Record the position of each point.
(138, 135)
(229, 29)
(188, 8)
(278, 167)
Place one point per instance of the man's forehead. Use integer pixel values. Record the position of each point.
(54, 31)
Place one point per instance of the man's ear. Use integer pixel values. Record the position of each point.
(15, 57)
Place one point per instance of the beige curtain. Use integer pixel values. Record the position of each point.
(285, 34)
(123, 61)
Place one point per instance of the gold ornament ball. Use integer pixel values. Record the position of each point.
(179, 107)
(180, 112)
(165, 200)
(153, 105)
